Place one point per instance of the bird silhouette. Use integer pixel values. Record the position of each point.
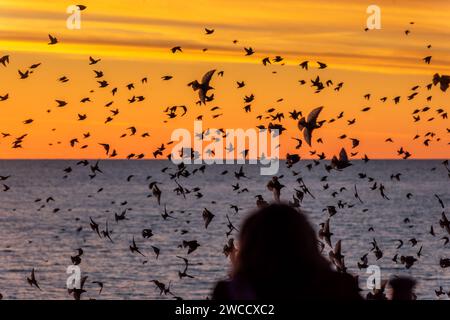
(183, 274)
(207, 217)
(52, 39)
(203, 87)
(275, 186)
(4, 60)
(324, 232)
(249, 51)
(32, 280)
(340, 162)
(310, 124)
(134, 248)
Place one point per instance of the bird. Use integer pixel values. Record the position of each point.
(324, 232)
(440, 201)
(52, 39)
(444, 262)
(432, 231)
(134, 248)
(413, 241)
(132, 130)
(357, 195)
(93, 61)
(147, 233)
(4, 60)
(341, 162)
(229, 249)
(61, 103)
(105, 146)
(166, 215)
(203, 87)
(321, 65)
(275, 186)
(408, 261)
(337, 258)
(94, 226)
(119, 217)
(427, 59)
(309, 125)
(364, 262)
(249, 51)
(156, 193)
(32, 280)
(445, 223)
(162, 287)
(183, 274)
(444, 81)
(355, 142)
(207, 217)
(292, 159)
(191, 245)
(377, 251)
(77, 292)
(107, 233)
(157, 251)
(209, 31)
(439, 292)
(35, 65)
(100, 284)
(240, 84)
(260, 202)
(76, 259)
(176, 49)
(23, 75)
(240, 173)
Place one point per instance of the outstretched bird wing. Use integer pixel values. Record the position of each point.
(307, 136)
(313, 115)
(207, 77)
(343, 155)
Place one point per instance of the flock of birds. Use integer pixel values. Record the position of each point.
(308, 124)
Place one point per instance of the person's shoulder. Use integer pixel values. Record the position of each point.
(346, 285)
(233, 289)
(221, 290)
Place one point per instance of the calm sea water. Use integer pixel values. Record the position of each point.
(40, 238)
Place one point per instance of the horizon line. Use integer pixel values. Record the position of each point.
(224, 160)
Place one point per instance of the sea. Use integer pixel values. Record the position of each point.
(45, 217)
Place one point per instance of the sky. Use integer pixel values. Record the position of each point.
(133, 40)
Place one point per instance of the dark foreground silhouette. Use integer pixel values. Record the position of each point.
(279, 259)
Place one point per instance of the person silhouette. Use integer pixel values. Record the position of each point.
(402, 288)
(279, 258)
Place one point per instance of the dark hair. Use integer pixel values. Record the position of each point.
(278, 250)
(402, 288)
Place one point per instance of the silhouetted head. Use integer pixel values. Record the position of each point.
(278, 251)
(402, 288)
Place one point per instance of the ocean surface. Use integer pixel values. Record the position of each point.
(44, 235)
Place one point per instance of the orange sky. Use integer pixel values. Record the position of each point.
(133, 39)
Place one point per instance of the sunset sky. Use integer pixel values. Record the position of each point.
(133, 40)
